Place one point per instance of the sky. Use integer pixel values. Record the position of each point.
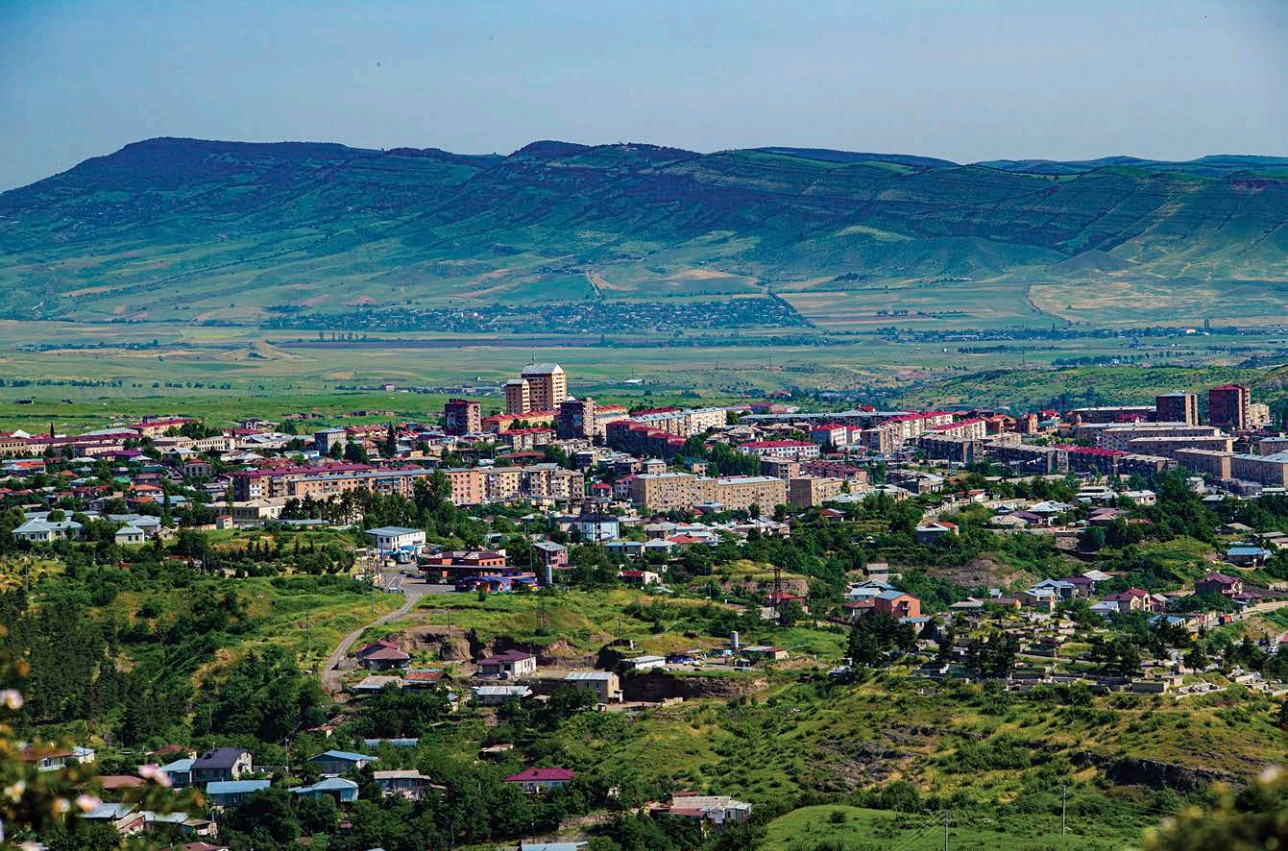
(966, 80)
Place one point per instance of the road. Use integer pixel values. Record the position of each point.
(331, 672)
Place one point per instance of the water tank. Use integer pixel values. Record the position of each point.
(733, 640)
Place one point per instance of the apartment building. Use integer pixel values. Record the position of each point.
(547, 387)
(1119, 437)
(667, 491)
(685, 422)
(1205, 462)
(1167, 447)
(576, 419)
(1228, 407)
(796, 450)
(811, 491)
(1177, 408)
(1271, 470)
(485, 485)
(462, 416)
(518, 396)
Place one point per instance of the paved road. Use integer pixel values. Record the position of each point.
(412, 592)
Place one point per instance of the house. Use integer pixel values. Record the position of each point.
(1220, 584)
(765, 652)
(403, 783)
(113, 784)
(716, 810)
(344, 791)
(897, 604)
(499, 695)
(179, 772)
(383, 655)
(44, 530)
(639, 577)
(552, 554)
(606, 685)
(932, 532)
(421, 679)
(375, 684)
(1246, 555)
(230, 793)
(220, 764)
(129, 536)
(127, 819)
(1062, 588)
(536, 780)
(511, 663)
(335, 763)
(396, 539)
(1131, 600)
(1040, 599)
(46, 758)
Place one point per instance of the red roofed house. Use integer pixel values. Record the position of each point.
(1219, 583)
(382, 655)
(536, 780)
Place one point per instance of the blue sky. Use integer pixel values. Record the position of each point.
(962, 80)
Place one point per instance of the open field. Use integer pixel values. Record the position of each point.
(109, 372)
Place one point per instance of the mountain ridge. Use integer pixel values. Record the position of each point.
(167, 226)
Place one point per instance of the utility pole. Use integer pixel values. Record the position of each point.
(1064, 797)
(946, 820)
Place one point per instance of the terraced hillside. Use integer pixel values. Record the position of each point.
(225, 232)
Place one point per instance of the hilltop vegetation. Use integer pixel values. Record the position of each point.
(178, 229)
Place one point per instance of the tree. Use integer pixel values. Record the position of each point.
(873, 637)
(268, 810)
(317, 813)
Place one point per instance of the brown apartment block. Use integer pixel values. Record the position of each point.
(1177, 408)
(811, 492)
(1228, 406)
(461, 416)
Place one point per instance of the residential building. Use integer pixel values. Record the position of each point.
(576, 419)
(462, 416)
(1177, 408)
(508, 664)
(221, 764)
(897, 604)
(499, 695)
(335, 763)
(1271, 470)
(342, 790)
(537, 780)
(230, 793)
(1228, 406)
(811, 491)
(716, 810)
(606, 685)
(396, 539)
(518, 396)
(403, 783)
(547, 387)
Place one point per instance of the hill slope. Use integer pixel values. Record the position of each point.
(188, 230)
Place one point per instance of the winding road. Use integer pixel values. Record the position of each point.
(331, 671)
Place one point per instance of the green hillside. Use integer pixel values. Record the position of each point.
(224, 232)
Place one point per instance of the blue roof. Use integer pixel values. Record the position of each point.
(890, 595)
(347, 756)
(1247, 551)
(331, 784)
(236, 787)
(179, 765)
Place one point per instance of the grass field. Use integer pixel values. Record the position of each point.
(844, 828)
(227, 373)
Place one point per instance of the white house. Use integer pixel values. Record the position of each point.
(395, 539)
